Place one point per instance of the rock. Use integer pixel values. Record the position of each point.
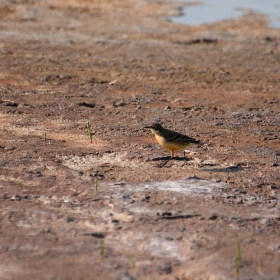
(70, 219)
(126, 276)
(16, 197)
(85, 104)
(119, 104)
(213, 217)
(266, 222)
(257, 119)
(10, 104)
(165, 269)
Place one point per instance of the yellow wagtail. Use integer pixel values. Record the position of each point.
(171, 140)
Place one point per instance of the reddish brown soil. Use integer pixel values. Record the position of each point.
(119, 65)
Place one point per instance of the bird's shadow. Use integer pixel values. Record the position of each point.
(168, 158)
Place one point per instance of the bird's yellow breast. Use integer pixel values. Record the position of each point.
(171, 146)
(160, 139)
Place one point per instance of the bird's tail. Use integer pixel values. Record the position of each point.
(196, 143)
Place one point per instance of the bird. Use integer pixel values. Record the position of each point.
(171, 140)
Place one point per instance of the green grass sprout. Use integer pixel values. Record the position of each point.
(96, 184)
(238, 259)
(132, 261)
(238, 252)
(89, 132)
(152, 88)
(260, 265)
(101, 249)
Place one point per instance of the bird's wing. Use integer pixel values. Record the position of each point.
(178, 137)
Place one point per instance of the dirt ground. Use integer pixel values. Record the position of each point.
(71, 209)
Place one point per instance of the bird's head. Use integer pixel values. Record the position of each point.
(155, 127)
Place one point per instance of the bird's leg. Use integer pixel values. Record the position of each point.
(185, 157)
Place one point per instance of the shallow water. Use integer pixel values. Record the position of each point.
(215, 10)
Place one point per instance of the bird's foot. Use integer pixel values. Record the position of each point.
(186, 160)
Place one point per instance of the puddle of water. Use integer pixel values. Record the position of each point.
(215, 10)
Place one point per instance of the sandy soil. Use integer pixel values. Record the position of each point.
(107, 210)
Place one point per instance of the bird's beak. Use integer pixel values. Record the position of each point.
(147, 127)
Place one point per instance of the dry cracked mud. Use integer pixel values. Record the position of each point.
(71, 209)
